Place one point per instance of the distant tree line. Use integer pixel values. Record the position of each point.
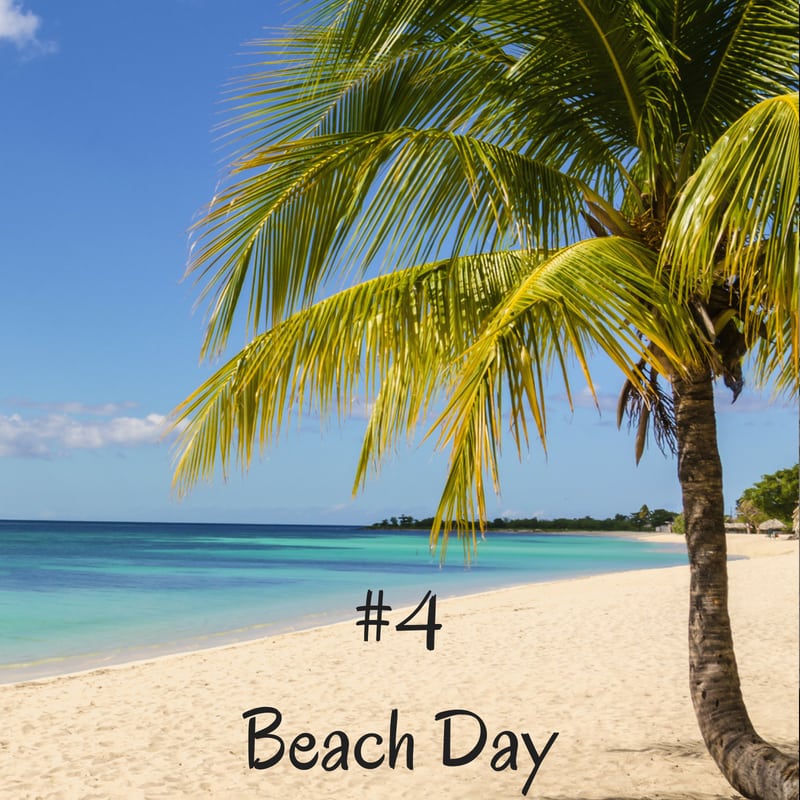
(643, 519)
(774, 496)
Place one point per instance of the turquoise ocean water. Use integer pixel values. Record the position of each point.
(75, 595)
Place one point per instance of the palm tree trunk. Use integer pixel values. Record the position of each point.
(752, 766)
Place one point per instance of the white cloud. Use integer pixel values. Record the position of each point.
(17, 25)
(21, 27)
(605, 401)
(54, 435)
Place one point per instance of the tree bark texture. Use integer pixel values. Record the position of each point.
(753, 767)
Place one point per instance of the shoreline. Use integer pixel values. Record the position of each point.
(739, 546)
(117, 651)
(599, 660)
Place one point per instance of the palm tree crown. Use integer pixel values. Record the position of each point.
(520, 181)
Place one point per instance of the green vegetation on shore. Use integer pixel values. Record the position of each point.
(643, 519)
(774, 496)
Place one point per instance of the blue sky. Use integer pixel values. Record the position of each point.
(107, 154)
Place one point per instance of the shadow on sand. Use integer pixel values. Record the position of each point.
(675, 751)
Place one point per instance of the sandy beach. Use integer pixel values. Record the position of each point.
(599, 661)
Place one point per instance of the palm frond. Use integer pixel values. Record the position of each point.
(736, 224)
(597, 294)
(598, 78)
(455, 122)
(646, 402)
(733, 55)
(392, 340)
(326, 206)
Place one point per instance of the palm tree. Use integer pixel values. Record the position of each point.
(438, 205)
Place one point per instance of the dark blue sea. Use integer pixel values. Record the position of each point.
(75, 595)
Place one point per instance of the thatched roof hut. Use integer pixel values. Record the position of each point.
(737, 527)
(771, 527)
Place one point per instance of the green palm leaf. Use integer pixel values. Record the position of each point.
(736, 222)
(597, 294)
(747, 64)
(288, 227)
(422, 122)
(393, 340)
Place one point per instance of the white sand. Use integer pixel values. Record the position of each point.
(601, 660)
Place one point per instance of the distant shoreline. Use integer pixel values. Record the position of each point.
(558, 525)
(643, 520)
